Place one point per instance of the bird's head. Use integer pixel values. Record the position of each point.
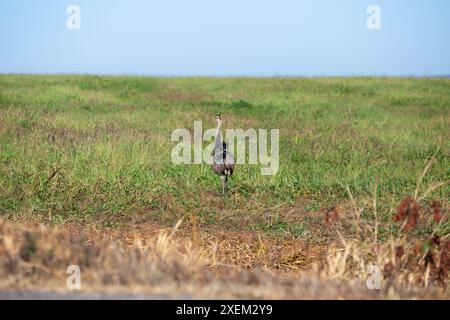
(219, 119)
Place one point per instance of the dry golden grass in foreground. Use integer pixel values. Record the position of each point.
(161, 262)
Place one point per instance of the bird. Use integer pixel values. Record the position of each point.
(223, 160)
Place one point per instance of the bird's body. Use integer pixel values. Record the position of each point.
(223, 161)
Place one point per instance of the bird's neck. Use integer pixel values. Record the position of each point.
(219, 125)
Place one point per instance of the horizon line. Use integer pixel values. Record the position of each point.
(150, 75)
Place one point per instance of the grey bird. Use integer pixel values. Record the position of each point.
(223, 161)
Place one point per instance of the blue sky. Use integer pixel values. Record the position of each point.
(226, 38)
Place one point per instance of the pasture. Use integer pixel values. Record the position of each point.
(87, 153)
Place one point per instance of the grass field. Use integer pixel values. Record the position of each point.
(95, 151)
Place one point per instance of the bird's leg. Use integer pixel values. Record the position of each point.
(224, 184)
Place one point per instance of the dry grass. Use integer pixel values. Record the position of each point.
(163, 262)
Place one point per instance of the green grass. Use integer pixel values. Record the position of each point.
(92, 148)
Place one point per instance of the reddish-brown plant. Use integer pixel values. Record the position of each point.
(330, 215)
(444, 264)
(399, 252)
(437, 214)
(388, 270)
(408, 210)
